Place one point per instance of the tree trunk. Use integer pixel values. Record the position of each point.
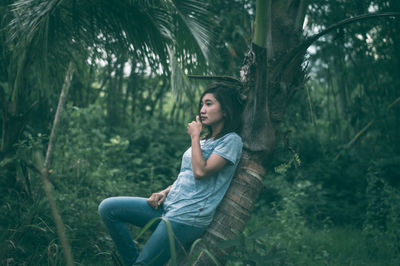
(114, 94)
(267, 89)
(13, 116)
(234, 210)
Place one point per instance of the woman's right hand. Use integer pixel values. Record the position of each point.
(194, 128)
(156, 199)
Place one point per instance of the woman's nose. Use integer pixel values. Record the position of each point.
(203, 110)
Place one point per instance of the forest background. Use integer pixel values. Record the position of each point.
(331, 195)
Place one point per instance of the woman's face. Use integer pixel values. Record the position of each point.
(211, 113)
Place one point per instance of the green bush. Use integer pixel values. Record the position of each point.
(89, 165)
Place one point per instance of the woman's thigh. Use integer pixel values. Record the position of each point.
(134, 210)
(157, 249)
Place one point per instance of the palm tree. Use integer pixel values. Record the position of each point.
(267, 87)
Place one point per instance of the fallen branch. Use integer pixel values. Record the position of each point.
(45, 169)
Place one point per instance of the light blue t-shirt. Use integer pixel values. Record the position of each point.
(194, 201)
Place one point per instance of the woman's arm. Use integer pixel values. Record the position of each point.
(157, 198)
(201, 167)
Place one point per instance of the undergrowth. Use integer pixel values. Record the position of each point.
(301, 217)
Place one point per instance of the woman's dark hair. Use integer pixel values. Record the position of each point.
(231, 105)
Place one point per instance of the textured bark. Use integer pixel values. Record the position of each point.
(234, 210)
(258, 133)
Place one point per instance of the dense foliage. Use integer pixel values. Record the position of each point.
(331, 193)
(89, 167)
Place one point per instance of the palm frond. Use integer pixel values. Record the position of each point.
(195, 19)
(61, 30)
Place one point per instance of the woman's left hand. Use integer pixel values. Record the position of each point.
(156, 199)
(194, 128)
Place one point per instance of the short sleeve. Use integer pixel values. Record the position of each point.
(230, 147)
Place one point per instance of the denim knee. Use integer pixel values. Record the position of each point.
(104, 207)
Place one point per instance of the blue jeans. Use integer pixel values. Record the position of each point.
(117, 211)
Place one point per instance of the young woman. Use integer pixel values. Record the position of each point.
(190, 202)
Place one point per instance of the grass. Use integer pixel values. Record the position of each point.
(336, 246)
